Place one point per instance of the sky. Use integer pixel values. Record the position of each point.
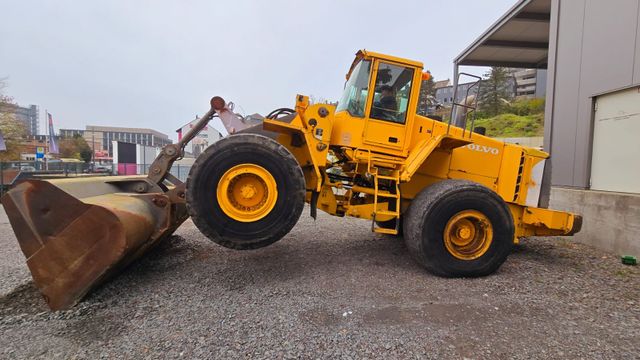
(156, 63)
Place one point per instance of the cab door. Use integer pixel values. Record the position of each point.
(388, 111)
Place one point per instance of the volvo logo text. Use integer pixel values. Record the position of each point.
(483, 149)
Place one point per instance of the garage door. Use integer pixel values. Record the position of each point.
(615, 163)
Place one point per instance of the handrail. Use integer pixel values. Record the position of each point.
(470, 108)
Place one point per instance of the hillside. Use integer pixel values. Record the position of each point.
(511, 125)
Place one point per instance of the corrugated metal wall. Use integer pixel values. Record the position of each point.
(594, 48)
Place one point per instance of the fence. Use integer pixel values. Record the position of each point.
(180, 171)
(535, 141)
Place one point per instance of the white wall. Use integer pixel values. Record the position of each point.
(146, 154)
(204, 139)
(615, 164)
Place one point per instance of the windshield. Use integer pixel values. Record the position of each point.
(356, 90)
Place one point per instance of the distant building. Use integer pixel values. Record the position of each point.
(530, 83)
(441, 84)
(108, 134)
(206, 137)
(29, 145)
(525, 83)
(100, 137)
(69, 133)
(29, 116)
(444, 94)
(94, 142)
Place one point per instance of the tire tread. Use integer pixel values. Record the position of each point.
(421, 207)
(293, 171)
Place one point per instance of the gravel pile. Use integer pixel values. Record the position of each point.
(13, 270)
(330, 289)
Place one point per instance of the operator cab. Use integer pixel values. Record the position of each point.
(379, 102)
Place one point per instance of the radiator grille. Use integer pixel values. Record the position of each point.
(519, 178)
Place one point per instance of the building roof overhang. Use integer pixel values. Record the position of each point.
(520, 39)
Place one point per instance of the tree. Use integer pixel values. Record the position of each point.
(428, 86)
(13, 130)
(495, 93)
(427, 94)
(85, 151)
(75, 148)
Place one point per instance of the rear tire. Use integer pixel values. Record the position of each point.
(213, 217)
(458, 228)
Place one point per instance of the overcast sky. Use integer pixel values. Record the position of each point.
(156, 64)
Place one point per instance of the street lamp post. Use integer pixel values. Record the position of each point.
(93, 150)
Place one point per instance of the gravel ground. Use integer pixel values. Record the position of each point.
(330, 289)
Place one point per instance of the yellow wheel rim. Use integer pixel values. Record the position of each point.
(247, 192)
(468, 235)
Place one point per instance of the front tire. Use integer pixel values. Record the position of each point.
(458, 228)
(245, 191)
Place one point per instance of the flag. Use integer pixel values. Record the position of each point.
(53, 146)
(3, 146)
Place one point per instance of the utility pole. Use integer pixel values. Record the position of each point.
(93, 150)
(144, 157)
(46, 139)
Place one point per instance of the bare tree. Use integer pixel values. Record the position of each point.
(13, 130)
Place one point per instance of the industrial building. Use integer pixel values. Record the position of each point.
(101, 137)
(591, 51)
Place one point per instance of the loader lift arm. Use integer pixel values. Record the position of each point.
(159, 171)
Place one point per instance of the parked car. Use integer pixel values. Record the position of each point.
(23, 167)
(99, 169)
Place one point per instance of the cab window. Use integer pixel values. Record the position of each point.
(356, 90)
(392, 91)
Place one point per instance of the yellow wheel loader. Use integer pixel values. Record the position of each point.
(460, 199)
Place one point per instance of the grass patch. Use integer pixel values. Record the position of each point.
(512, 125)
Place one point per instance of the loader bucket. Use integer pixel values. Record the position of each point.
(76, 233)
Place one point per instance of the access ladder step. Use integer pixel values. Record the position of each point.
(388, 213)
(380, 230)
(387, 194)
(387, 177)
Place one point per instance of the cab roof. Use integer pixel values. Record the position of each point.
(364, 54)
